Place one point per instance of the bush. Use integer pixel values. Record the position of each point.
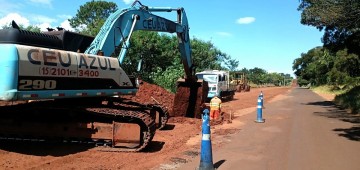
(350, 100)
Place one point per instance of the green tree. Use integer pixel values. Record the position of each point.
(320, 67)
(32, 28)
(313, 66)
(167, 78)
(245, 70)
(231, 64)
(346, 69)
(302, 82)
(91, 16)
(161, 60)
(275, 78)
(256, 75)
(206, 55)
(157, 53)
(339, 19)
(338, 62)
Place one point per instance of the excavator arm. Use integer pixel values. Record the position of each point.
(117, 31)
(120, 25)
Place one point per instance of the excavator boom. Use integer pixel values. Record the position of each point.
(117, 31)
(120, 25)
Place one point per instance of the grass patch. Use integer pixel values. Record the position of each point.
(346, 97)
(350, 100)
(328, 90)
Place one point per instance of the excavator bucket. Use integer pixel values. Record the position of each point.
(189, 98)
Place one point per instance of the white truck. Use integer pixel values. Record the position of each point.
(219, 83)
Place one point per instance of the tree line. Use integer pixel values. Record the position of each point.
(337, 62)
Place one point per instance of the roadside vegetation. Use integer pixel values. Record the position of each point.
(335, 66)
(346, 98)
(327, 89)
(350, 100)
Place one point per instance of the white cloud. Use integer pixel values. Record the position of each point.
(43, 2)
(224, 34)
(42, 19)
(43, 26)
(66, 25)
(128, 1)
(245, 20)
(16, 17)
(64, 16)
(39, 3)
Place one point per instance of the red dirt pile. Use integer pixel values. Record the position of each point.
(153, 94)
(189, 99)
(150, 93)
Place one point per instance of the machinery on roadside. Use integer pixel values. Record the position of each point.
(218, 82)
(76, 87)
(241, 81)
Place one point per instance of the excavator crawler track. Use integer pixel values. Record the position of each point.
(145, 121)
(161, 114)
(110, 128)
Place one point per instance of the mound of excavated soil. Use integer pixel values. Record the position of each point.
(153, 94)
(187, 103)
(189, 99)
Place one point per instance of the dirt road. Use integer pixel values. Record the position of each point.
(172, 147)
(302, 131)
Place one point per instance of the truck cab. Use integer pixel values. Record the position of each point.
(219, 83)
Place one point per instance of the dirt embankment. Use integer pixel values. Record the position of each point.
(150, 93)
(178, 142)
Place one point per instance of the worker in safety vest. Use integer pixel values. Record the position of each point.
(215, 107)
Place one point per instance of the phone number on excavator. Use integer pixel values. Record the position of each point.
(46, 71)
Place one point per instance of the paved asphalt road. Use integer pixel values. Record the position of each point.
(301, 132)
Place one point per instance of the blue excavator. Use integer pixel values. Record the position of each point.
(74, 85)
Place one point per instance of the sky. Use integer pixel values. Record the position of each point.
(258, 33)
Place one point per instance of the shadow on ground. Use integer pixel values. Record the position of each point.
(154, 146)
(44, 148)
(218, 163)
(335, 112)
(352, 133)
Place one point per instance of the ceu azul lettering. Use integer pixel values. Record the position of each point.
(49, 58)
(92, 62)
(157, 24)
